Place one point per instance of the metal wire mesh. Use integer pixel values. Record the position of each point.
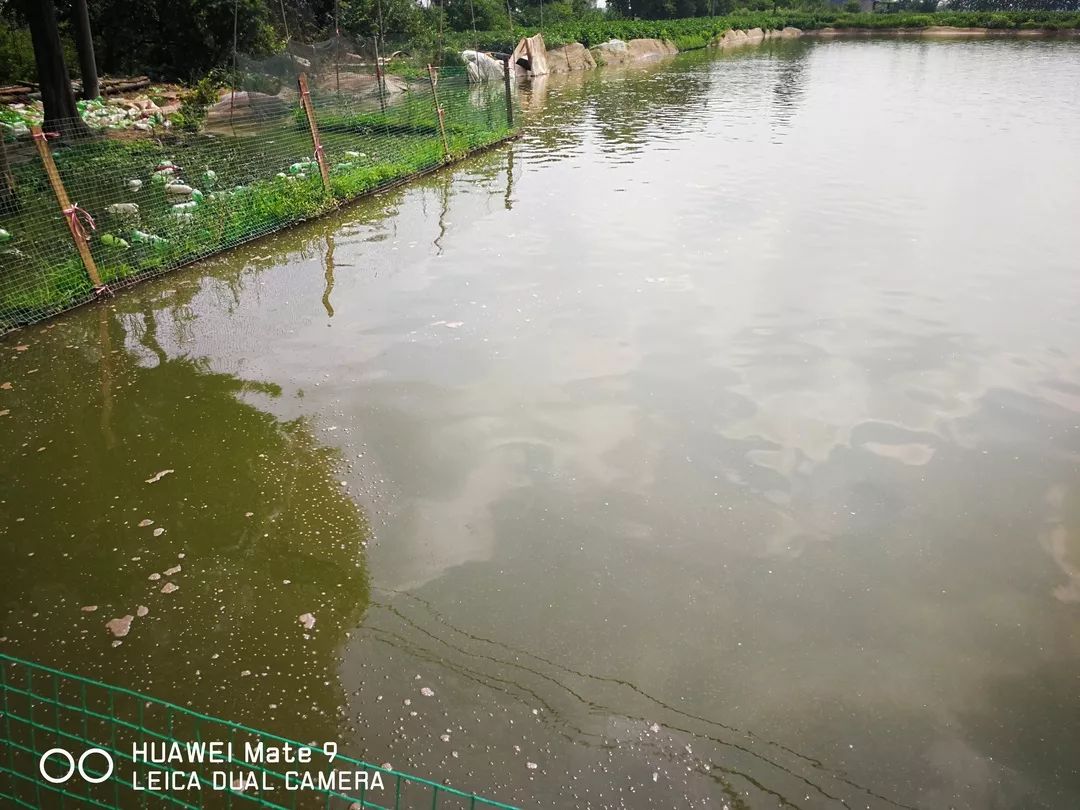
(43, 709)
(147, 202)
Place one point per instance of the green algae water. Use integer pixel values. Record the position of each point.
(713, 445)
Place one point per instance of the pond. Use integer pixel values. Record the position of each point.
(714, 444)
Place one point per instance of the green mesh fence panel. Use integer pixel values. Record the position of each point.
(161, 197)
(42, 709)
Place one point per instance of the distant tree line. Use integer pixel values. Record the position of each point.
(1010, 5)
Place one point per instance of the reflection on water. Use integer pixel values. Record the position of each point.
(718, 440)
(245, 530)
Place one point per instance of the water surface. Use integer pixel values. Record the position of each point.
(715, 444)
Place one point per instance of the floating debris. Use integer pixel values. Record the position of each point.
(120, 627)
(158, 476)
(169, 587)
(88, 608)
(158, 531)
(154, 577)
(427, 691)
(169, 572)
(532, 766)
(145, 522)
(307, 620)
(141, 611)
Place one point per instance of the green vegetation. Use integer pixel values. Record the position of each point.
(247, 185)
(697, 32)
(186, 39)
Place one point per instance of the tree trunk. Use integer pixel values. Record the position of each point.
(9, 202)
(84, 42)
(61, 114)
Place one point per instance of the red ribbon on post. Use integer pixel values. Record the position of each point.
(73, 214)
(44, 136)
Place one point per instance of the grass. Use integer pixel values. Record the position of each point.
(251, 184)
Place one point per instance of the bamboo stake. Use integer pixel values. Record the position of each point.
(71, 212)
(509, 95)
(439, 113)
(309, 110)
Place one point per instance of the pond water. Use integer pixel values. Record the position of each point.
(715, 444)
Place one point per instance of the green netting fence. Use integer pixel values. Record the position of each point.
(147, 200)
(106, 734)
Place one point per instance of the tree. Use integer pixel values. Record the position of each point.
(61, 114)
(84, 41)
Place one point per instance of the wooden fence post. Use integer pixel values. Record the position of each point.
(509, 95)
(71, 212)
(439, 113)
(305, 99)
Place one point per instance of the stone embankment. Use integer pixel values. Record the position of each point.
(532, 58)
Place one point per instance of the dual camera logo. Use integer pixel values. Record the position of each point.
(72, 765)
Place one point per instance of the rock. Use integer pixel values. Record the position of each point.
(482, 68)
(617, 52)
(531, 55)
(570, 58)
(737, 39)
(647, 49)
(790, 32)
